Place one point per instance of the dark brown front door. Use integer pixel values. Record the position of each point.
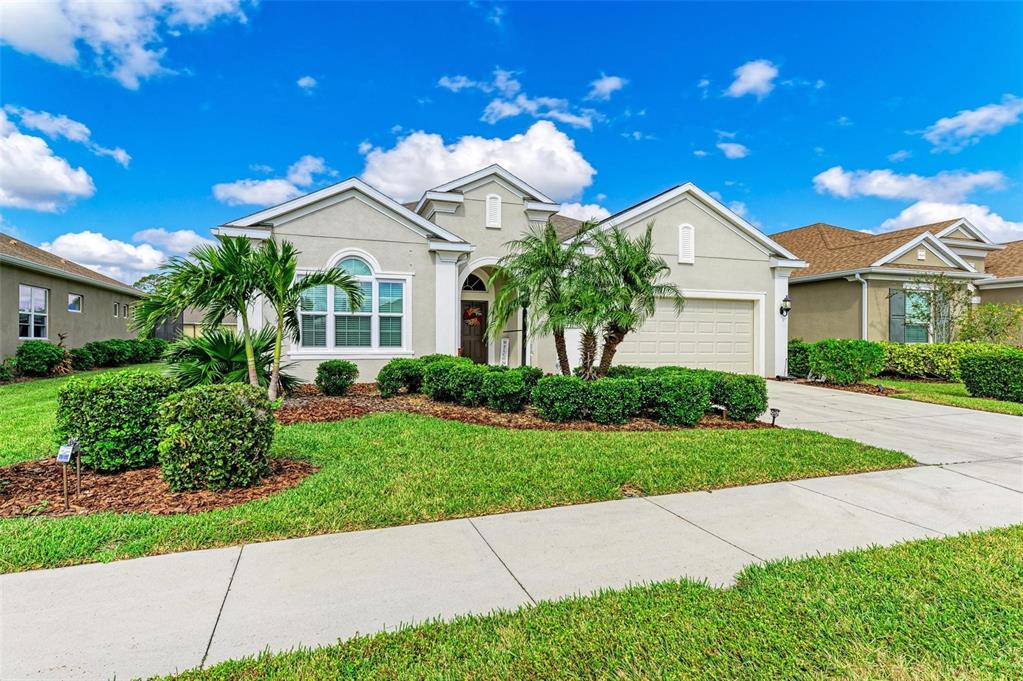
(474, 324)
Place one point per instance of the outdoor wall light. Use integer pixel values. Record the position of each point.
(786, 306)
(774, 414)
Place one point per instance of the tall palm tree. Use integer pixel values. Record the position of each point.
(218, 278)
(533, 276)
(283, 288)
(634, 279)
(588, 309)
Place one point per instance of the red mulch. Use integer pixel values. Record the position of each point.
(866, 388)
(313, 407)
(36, 488)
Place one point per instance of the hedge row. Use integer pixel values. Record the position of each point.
(457, 379)
(41, 358)
(994, 373)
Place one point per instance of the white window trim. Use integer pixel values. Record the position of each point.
(684, 230)
(81, 303)
(32, 315)
(116, 309)
(486, 212)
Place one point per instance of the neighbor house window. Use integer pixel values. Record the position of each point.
(329, 321)
(33, 309)
(686, 244)
(493, 210)
(124, 311)
(74, 302)
(116, 308)
(918, 313)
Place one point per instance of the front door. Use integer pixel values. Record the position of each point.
(474, 326)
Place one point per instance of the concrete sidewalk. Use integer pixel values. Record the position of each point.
(167, 613)
(930, 433)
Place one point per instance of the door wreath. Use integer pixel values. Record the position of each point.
(473, 315)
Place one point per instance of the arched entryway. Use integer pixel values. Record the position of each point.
(477, 299)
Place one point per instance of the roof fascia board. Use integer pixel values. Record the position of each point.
(1001, 282)
(941, 250)
(443, 197)
(874, 271)
(975, 245)
(495, 169)
(72, 276)
(969, 227)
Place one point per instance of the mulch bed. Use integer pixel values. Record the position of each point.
(868, 389)
(36, 488)
(311, 407)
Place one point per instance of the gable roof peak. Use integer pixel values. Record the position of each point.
(500, 171)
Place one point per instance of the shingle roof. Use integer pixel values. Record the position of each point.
(564, 226)
(17, 248)
(828, 248)
(1007, 262)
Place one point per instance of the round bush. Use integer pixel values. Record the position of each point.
(845, 362)
(744, 396)
(995, 373)
(335, 376)
(560, 398)
(114, 417)
(82, 359)
(436, 373)
(119, 352)
(530, 375)
(627, 371)
(401, 372)
(676, 398)
(215, 437)
(505, 390)
(613, 400)
(155, 347)
(465, 383)
(38, 357)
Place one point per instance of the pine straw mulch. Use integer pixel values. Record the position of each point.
(308, 406)
(865, 388)
(36, 488)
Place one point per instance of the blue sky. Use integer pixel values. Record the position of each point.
(180, 116)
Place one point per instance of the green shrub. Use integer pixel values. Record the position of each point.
(218, 356)
(6, 371)
(613, 400)
(530, 375)
(560, 398)
(505, 390)
(100, 353)
(119, 352)
(215, 437)
(994, 373)
(676, 398)
(335, 376)
(929, 360)
(114, 417)
(845, 362)
(155, 347)
(799, 358)
(627, 371)
(465, 383)
(427, 360)
(401, 372)
(744, 396)
(435, 376)
(38, 357)
(82, 359)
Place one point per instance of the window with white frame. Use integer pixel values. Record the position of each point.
(74, 302)
(33, 311)
(686, 244)
(493, 217)
(328, 320)
(117, 307)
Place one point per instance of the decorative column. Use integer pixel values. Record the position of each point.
(781, 323)
(446, 301)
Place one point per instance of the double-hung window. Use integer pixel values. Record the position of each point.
(33, 311)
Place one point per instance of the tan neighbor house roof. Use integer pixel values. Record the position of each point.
(828, 248)
(20, 253)
(1007, 262)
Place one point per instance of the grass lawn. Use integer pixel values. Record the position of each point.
(951, 394)
(29, 408)
(932, 609)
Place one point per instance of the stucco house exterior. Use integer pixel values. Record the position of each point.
(1005, 268)
(43, 295)
(861, 285)
(426, 270)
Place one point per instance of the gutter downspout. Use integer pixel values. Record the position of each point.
(863, 305)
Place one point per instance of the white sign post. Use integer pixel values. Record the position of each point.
(504, 352)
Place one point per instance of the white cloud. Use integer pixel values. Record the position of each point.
(602, 88)
(270, 192)
(301, 171)
(32, 176)
(601, 197)
(733, 149)
(699, 153)
(124, 40)
(57, 126)
(638, 136)
(457, 83)
(543, 156)
(753, 78)
(123, 261)
(178, 242)
(261, 168)
(738, 207)
(926, 212)
(954, 133)
(843, 122)
(307, 83)
(511, 101)
(584, 212)
(946, 186)
(900, 155)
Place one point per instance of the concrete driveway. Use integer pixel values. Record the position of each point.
(930, 433)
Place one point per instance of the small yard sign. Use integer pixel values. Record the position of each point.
(64, 454)
(504, 352)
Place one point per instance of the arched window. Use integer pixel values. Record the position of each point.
(686, 244)
(474, 283)
(328, 319)
(493, 217)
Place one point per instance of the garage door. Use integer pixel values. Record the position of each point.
(709, 334)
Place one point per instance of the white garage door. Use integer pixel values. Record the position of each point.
(709, 334)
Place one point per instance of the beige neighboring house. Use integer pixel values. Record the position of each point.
(43, 295)
(191, 322)
(426, 270)
(1006, 270)
(863, 285)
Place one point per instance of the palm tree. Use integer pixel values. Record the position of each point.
(283, 290)
(533, 276)
(633, 278)
(218, 278)
(588, 309)
(218, 356)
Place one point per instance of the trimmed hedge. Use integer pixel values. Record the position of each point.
(82, 359)
(846, 362)
(436, 373)
(799, 358)
(38, 357)
(401, 372)
(994, 373)
(215, 437)
(930, 360)
(675, 398)
(627, 371)
(531, 375)
(335, 376)
(465, 382)
(613, 400)
(114, 417)
(560, 398)
(743, 396)
(6, 370)
(505, 390)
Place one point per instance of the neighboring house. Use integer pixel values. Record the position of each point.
(426, 270)
(43, 295)
(1006, 268)
(863, 285)
(191, 322)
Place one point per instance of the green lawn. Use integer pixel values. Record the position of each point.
(28, 408)
(951, 394)
(933, 609)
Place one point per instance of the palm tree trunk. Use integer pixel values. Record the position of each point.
(559, 346)
(589, 353)
(275, 372)
(612, 339)
(250, 356)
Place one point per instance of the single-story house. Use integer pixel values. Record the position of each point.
(426, 270)
(1005, 267)
(45, 296)
(861, 285)
(191, 322)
